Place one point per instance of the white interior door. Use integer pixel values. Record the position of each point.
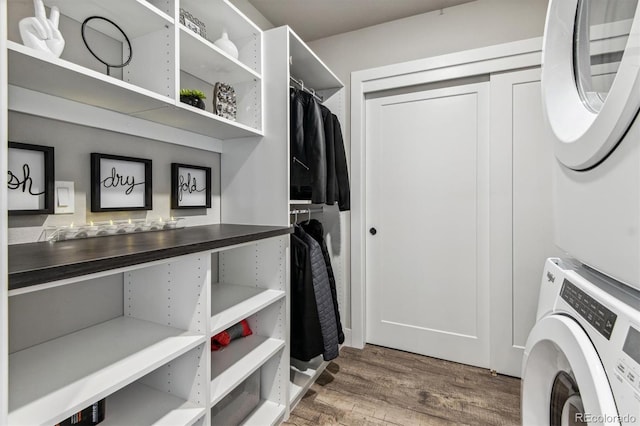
(427, 201)
(522, 162)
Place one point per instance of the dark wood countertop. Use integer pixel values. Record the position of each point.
(37, 263)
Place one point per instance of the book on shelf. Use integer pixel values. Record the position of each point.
(92, 415)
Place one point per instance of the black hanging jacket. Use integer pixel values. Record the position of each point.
(315, 229)
(308, 177)
(331, 190)
(306, 335)
(324, 300)
(343, 190)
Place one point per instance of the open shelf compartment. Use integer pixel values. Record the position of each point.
(55, 379)
(302, 376)
(232, 303)
(233, 364)
(251, 400)
(137, 17)
(306, 65)
(34, 70)
(246, 36)
(206, 61)
(202, 65)
(139, 404)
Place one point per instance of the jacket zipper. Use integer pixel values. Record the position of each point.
(295, 160)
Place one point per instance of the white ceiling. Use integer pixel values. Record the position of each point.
(314, 19)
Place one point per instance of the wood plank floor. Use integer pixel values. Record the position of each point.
(381, 386)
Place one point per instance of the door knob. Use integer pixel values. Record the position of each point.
(373, 231)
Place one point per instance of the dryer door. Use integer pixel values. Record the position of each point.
(563, 380)
(590, 76)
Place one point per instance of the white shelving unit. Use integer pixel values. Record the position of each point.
(153, 363)
(178, 58)
(288, 56)
(4, 311)
(157, 336)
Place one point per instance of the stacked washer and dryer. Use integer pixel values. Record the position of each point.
(582, 359)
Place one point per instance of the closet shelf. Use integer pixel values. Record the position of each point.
(36, 71)
(234, 363)
(266, 413)
(303, 377)
(53, 380)
(135, 17)
(37, 263)
(138, 404)
(227, 16)
(308, 67)
(196, 120)
(203, 59)
(232, 303)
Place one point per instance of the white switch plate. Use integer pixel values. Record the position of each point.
(64, 197)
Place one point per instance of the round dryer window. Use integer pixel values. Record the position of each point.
(590, 76)
(563, 379)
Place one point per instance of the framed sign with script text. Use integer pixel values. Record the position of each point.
(30, 180)
(120, 183)
(190, 186)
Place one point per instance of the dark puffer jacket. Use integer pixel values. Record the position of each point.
(315, 229)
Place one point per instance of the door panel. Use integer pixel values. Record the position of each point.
(427, 197)
(532, 200)
(521, 212)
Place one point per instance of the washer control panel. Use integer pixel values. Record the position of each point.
(596, 314)
(628, 374)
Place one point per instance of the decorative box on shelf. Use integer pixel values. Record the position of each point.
(112, 227)
(239, 403)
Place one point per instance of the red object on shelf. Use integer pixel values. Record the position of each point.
(223, 338)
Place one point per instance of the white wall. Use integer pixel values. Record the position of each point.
(252, 13)
(467, 26)
(73, 145)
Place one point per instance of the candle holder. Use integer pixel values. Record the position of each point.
(112, 227)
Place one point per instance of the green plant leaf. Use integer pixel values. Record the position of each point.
(193, 93)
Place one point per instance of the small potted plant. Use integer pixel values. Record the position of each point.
(193, 97)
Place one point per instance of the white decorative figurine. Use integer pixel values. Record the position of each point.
(41, 33)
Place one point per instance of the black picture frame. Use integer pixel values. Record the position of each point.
(118, 190)
(188, 194)
(30, 165)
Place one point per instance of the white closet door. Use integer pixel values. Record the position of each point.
(427, 171)
(522, 166)
(522, 163)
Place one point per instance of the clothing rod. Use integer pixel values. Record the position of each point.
(312, 92)
(303, 211)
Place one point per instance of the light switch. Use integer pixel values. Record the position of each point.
(64, 193)
(63, 196)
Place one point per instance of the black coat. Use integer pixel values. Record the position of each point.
(331, 189)
(343, 191)
(308, 176)
(315, 229)
(318, 158)
(306, 335)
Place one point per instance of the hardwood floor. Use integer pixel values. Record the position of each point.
(381, 386)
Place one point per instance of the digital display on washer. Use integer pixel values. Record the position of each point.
(632, 344)
(596, 314)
